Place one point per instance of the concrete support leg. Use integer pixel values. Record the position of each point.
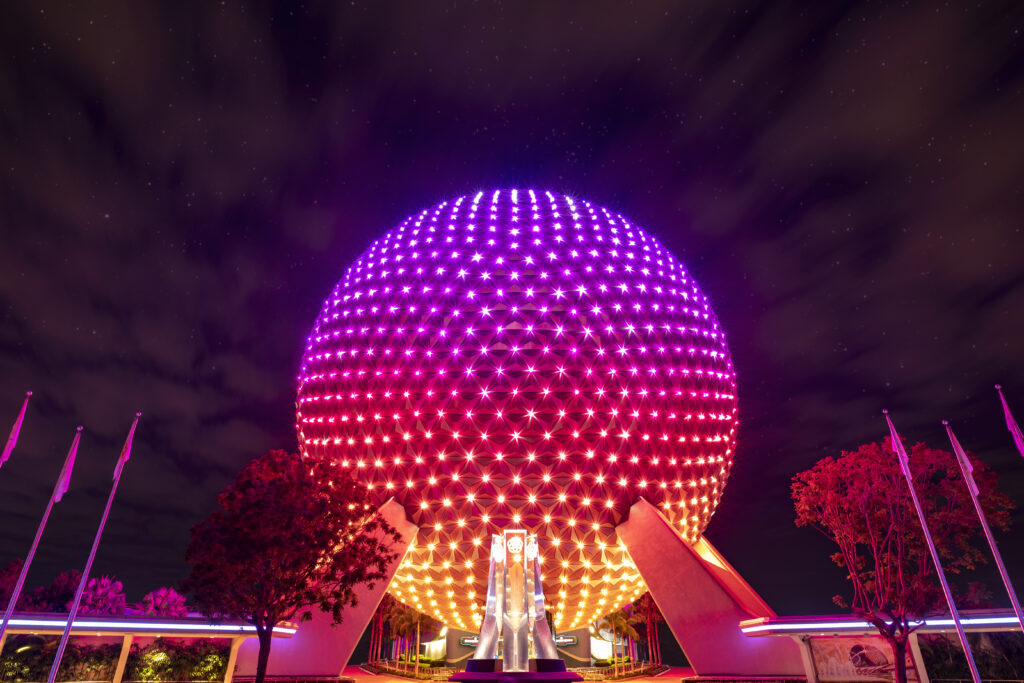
(703, 599)
(122, 659)
(229, 671)
(807, 657)
(320, 648)
(915, 654)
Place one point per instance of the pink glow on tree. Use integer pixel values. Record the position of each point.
(164, 602)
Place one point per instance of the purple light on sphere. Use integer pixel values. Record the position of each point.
(521, 358)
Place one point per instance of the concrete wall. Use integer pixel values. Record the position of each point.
(456, 653)
(578, 654)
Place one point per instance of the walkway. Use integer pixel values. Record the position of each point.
(673, 675)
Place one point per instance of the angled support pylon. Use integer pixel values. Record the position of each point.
(703, 599)
(320, 648)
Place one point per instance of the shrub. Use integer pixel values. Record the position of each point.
(175, 660)
(57, 596)
(601, 663)
(28, 658)
(164, 602)
(102, 595)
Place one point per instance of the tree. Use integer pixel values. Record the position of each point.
(404, 622)
(292, 532)
(57, 596)
(399, 617)
(102, 595)
(860, 500)
(645, 611)
(8, 579)
(164, 602)
(379, 624)
(618, 623)
(425, 624)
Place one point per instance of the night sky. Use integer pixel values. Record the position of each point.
(181, 185)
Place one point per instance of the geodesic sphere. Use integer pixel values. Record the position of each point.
(522, 359)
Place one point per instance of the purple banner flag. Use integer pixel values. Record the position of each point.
(69, 464)
(126, 451)
(897, 447)
(1011, 424)
(965, 463)
(13, 438)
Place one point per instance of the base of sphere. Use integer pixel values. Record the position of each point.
(490, 670)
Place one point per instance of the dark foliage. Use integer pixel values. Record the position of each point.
(999, 656)
(292, 533)
(169, 659)
(29, 657)
(55, 597)
(861, 501)
(8, 578)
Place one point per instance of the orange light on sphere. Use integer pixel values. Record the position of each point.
(522, 359)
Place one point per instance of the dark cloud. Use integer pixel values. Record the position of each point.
(181, 187)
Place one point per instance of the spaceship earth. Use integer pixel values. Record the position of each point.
(522, 359)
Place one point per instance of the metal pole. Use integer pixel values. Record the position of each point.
(125, 454)
(972, 488)
(81, 586)
(35, 544)
(901, 454)
(24, 572)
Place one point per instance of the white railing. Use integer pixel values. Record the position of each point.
(411, 670)
(594, 673)
(589, 673)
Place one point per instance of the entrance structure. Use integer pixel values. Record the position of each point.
(515, 604)
(522, 359)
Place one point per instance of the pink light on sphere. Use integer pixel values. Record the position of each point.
(522, 358)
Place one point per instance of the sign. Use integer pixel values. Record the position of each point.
(471, 641)
(857, 659)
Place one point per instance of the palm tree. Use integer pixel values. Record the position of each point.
(425, 623)
(608, 624)
(646, 612)
(404, 621)
(635, 616)
(618, 624)
(627, 630)
(402, 625)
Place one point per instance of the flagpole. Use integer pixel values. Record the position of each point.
(92, 554)
(968, 471)
(904, 460)
(13, 438)
(58, 491)
(1011, 424)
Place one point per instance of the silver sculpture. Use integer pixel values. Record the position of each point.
(515, 599)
